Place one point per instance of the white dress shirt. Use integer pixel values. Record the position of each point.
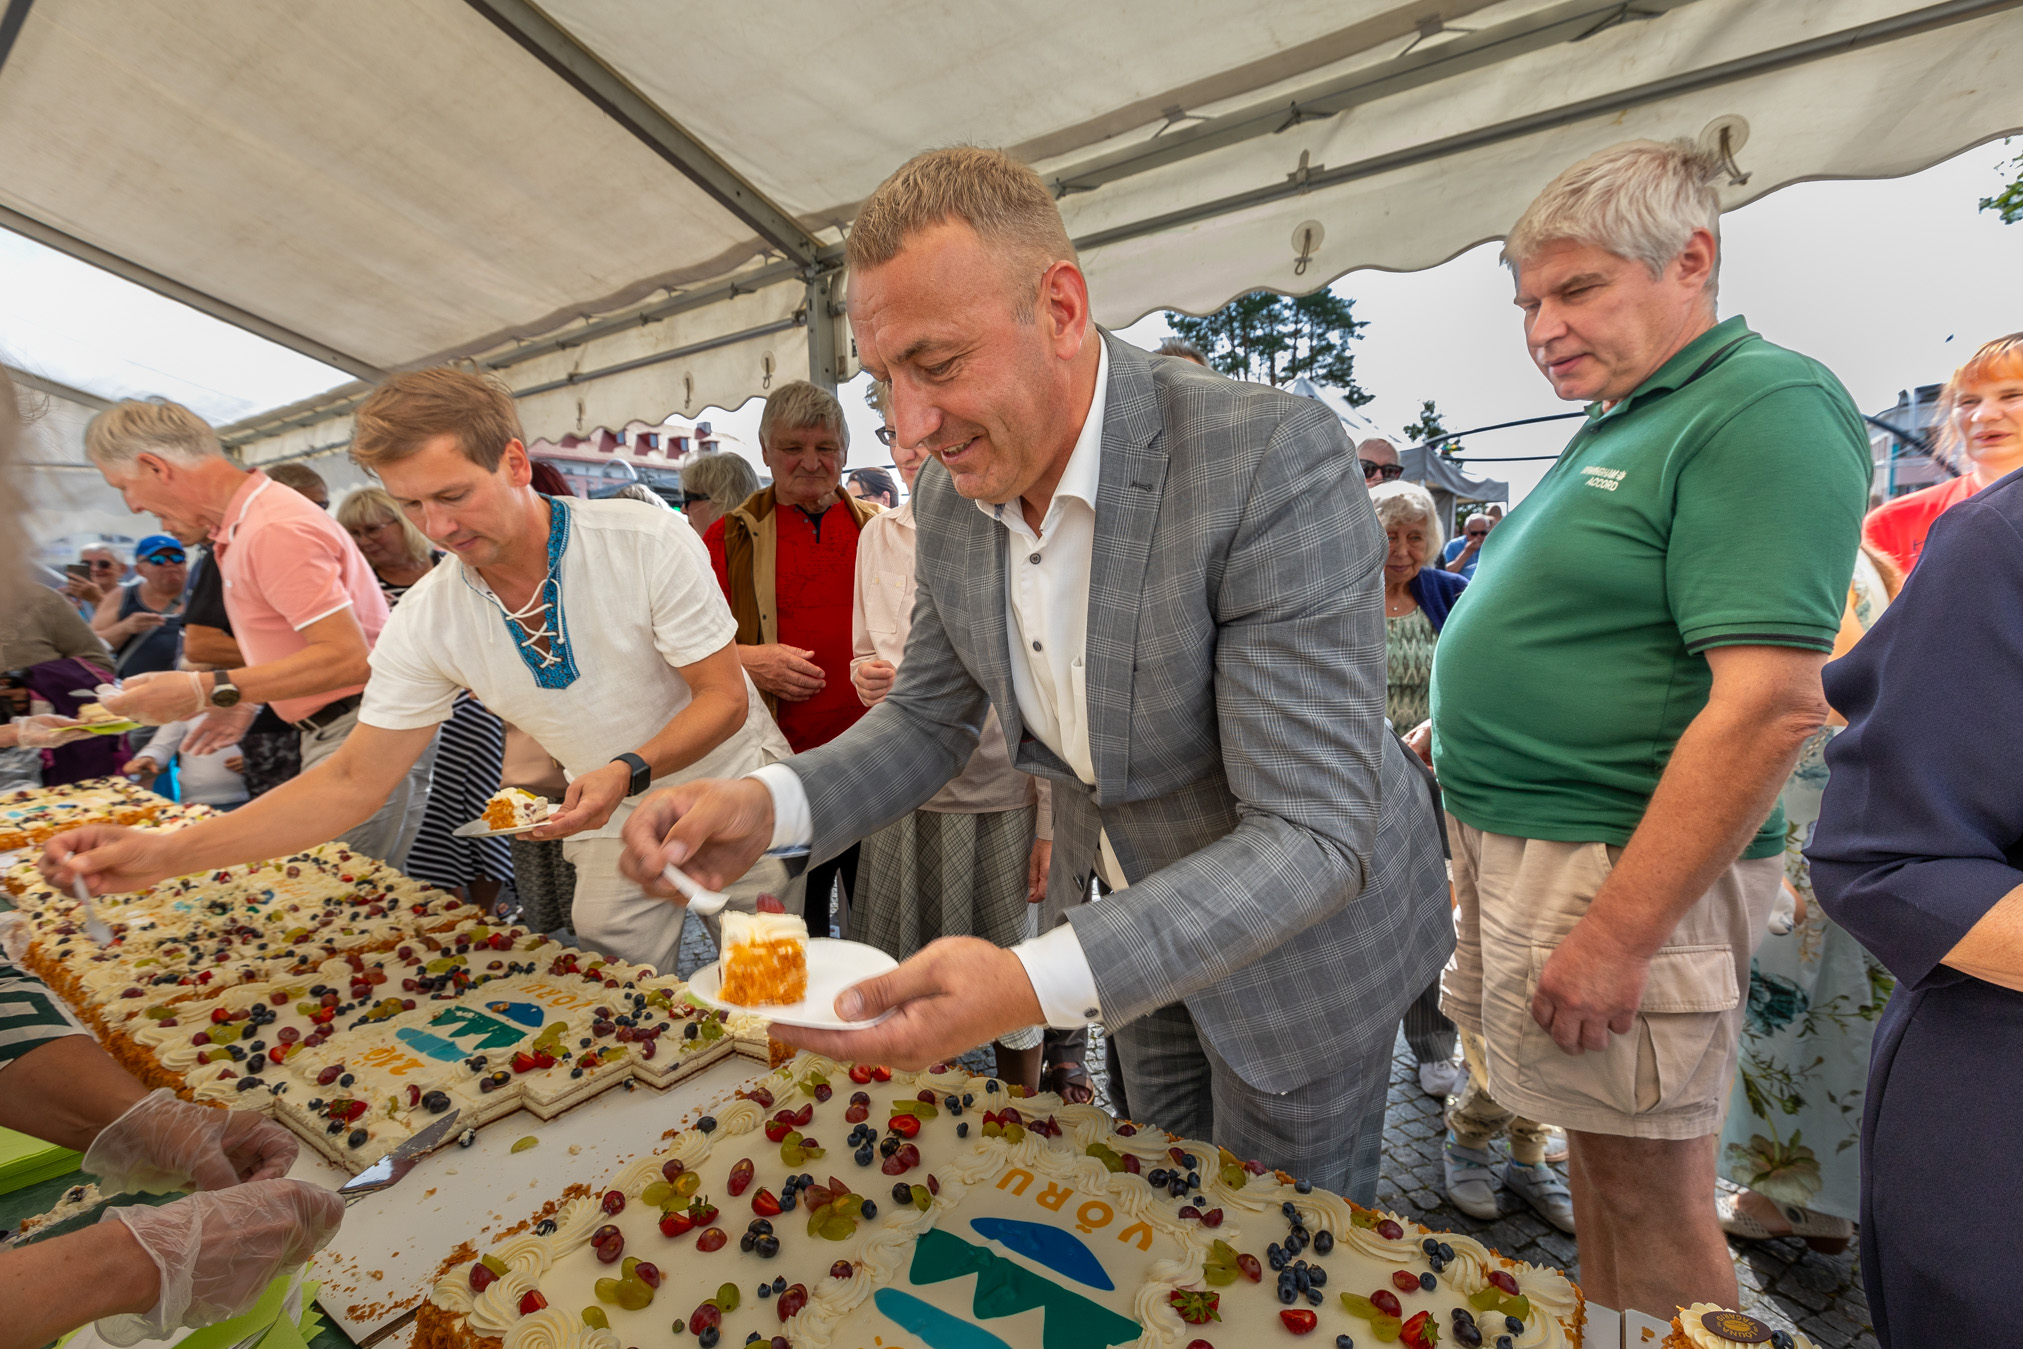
(1047, 619)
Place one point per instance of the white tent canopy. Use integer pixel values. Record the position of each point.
(631, 210)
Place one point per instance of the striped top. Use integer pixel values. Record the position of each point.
(30, 1014)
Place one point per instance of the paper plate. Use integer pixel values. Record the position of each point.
(477, 829)
(832, 967)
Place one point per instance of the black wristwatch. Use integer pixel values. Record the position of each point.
(642, 776)
(224, 693)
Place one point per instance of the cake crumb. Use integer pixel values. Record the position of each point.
(575, 1148)
(375, 1274)
(429, 1193)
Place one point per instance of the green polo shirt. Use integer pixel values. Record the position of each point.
(1718, 505)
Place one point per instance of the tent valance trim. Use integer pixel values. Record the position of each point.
(1881, 31)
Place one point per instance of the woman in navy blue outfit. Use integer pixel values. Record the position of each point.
(1919, 854)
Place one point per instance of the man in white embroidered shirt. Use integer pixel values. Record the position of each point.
(1168, 587)
(594, 626)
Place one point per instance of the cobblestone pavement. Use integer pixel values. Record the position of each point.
(1783, 1282)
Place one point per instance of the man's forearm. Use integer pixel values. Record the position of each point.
(211, 646)
(710, 718)
(1714, 795)
(299, 814)
(317, 668)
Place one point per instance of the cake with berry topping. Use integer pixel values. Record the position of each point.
(31, 815)
(848, 1206)
(354, 1004)
(765, 958)
(1707, 1326)
(513, 807)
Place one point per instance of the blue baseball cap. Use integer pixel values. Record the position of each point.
(154, 546)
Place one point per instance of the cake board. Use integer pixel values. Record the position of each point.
(384, 1259)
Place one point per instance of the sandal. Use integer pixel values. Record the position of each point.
(1070, 1082)
(1821, 1231)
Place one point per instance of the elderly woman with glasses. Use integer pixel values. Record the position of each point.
(1379, 460)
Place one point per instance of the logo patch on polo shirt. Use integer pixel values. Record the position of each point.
(1608, 479)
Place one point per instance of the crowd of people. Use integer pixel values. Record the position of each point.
(1143, 698)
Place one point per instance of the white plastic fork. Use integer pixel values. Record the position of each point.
(94, 927)
(704, 901)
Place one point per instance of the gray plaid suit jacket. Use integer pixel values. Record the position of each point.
(1285, 868)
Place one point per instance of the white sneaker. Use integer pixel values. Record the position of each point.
(1441, 1078)
(1541, 1187)
(1471, 1185)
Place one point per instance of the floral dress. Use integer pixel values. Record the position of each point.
(1793, 1132)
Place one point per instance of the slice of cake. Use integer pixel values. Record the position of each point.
(765, 958)
(512, 807)
(1706, 1326)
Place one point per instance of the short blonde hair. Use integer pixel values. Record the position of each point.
(369, 506)
(413, 408)
(1003, 200)
(798, 403)
(137, 426)
(1405, 503)
(2001, 358)
(1640, 200)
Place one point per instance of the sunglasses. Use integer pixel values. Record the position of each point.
(162, 557)
(690, 498)
(1388, 472)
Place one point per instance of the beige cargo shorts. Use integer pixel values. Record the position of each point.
(1515, 901)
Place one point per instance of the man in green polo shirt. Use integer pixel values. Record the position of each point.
(1619, 696)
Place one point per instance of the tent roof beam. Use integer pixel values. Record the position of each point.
(581, 69)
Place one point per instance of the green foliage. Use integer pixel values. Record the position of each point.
(1431, 427)
(1275, 339)
(2008, 203)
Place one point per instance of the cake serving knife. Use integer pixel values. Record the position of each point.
(388, 1170)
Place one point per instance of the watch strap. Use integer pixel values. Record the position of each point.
(642, 775)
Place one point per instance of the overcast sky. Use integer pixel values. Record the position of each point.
(1890, 283)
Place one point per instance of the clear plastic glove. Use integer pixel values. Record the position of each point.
(162, 1144)
(217, 1251)
(157, 698)
(47, 732)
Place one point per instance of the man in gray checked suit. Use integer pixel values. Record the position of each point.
(1168, 585)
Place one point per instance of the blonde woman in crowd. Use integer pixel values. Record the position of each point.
(470, 754)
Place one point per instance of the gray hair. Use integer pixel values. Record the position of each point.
(798, 403)
(1407, 503)
(118, 551)
(1640, 200)
(722, 476)
(644, 495)
(137, 426)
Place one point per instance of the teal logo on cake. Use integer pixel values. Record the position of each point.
(1006, 1288)
(474, 1029)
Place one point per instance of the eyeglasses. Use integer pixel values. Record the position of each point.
(886, 435)
(1388, 472)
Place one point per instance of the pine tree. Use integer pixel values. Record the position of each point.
(1431, 427)
(1274, 339)
(2008, 203)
